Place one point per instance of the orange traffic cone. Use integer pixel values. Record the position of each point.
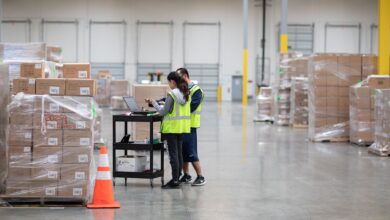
(103, 195)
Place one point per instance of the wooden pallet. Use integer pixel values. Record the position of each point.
(299, 126)
(33, 202)
(362, 144)
(332, 140)
(378, 152)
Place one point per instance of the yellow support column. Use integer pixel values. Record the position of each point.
(384, 37)
(283, 43)
(245, 78)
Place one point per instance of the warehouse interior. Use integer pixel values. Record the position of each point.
(294, 114)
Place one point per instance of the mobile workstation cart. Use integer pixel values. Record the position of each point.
(149, 146)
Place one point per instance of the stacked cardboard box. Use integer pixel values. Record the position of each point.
(119, 88)
(140, 93)
(103, 88)
(50, 143)
(299, 113)
(291, 65)
(330, 76)
(382, 123)
(264, 104)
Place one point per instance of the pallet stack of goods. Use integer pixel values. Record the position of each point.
(362, 105)
(299, 114)
(291, 65)
(381, 146)
(103, 88)
(330, 76)
(119, 88)
(140, 93)
(264, 105)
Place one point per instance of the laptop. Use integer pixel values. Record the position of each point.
(132, 105)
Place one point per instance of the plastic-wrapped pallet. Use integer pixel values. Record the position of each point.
(50, 148)
(381, 146)
(299, 113)
(282, 106)
(330, 76)
(4, 99)
(119, 88)
(264, 105)
(103, 88)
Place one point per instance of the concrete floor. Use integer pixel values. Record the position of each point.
(254, 171)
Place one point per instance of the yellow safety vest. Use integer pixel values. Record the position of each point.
(179, 120)
(195, 116)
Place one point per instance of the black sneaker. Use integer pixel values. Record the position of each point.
(200, 181)
(185, 178)
(171, 185)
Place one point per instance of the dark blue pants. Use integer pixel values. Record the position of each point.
(190, 147)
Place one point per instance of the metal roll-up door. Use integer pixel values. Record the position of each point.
(154, 48)
(16, 30)
(107, 47)
(63, 33)
(201, 55)
(342, 38)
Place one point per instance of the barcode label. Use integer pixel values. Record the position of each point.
(38, 66)
(84, 91)
(31, 81)
(83, 158)
(53, 107)
(50, 191)
(77, 191)
(27, 135)
(54, 90)
(52, 141)
(79, 175)
(52, 158)
(84, 141)
(27, 149)
(52, 174)
(52, 125)
(80, 124)
(83, 74)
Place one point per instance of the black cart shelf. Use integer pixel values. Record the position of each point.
(140, 146)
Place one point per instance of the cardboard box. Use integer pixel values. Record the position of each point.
(48, 138)
(379, 81)
(131, 163)
(77, 155)
(19, 155)
(74, 189)
(48, 121)
(44, 188)
(32, 70)
(78, 138)
(77, 70)
(19, 137)
(24, 85)
(16, 188)
(80, 87)
(48, 104)
(119, 88)
(104, 74)
(47, 155)
(75, 172)
(45, 172)
(19, 172)
(50, 87)
(21, 120)
(75, 121)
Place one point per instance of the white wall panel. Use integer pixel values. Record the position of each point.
(201, 44)
(15, 32)
(348, 35)
(154, 43)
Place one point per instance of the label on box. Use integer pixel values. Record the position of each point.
(84, 141)
(53, 107)
(84, 91)
(83, 158)
(27, 135)
(80, 124)
(83, 74)
(50, 191)
(79, 175)
(52, 141)
(54, 90)
(27, 149)
(38, 66)
(51, 125)
(52, 158)
(52, 174)
(77, 191)
(31, 81)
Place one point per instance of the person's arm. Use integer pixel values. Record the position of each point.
(196, 100)
(165, 109)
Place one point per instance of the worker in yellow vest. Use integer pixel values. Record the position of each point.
(190, 142)
(176, 122)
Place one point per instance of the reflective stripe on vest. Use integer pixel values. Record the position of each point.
(179, 120)
(195, 116)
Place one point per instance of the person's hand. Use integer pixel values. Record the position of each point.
(161, 103)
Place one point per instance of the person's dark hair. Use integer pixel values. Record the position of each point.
(183, 71)
(180, 83)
